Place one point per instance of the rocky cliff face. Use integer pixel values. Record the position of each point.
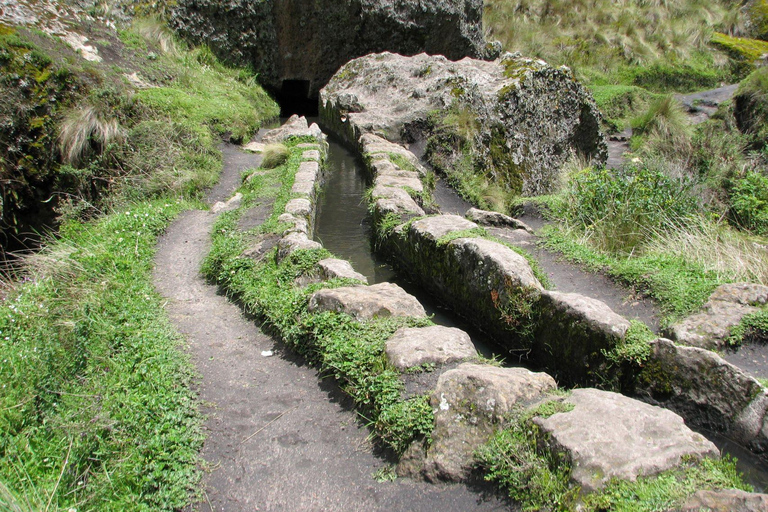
(300, 44)
(514, 121)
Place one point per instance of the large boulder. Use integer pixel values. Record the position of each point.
(608, 435)
(470, 402)
(296, 46)
(522, 118)
(728, 304)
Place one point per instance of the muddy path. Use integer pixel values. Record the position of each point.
(278, 436)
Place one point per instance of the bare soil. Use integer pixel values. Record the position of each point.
(279, 437)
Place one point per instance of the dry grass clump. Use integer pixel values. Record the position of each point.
(86, 130)
(718, 248)
(156, 33)
(274, 155)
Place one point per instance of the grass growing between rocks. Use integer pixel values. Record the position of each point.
(96, 410)
(517, 458)
(351, 352)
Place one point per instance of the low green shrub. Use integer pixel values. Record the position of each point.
(749, 202)
(750, 106)
(753, 328)
(621, 209)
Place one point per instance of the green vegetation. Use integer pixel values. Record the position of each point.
(274, 155)
(82, 140)
(519, 459)
(96, 408)
(352, 352)
(753, 328)
(532, 475)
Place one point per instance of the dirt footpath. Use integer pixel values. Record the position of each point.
(278, 437)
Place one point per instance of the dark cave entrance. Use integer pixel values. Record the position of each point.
(294, 97)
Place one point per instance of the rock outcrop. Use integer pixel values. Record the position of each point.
(728, 304)
(727, 500)
(521, 117)
(608, 435)
(296, 46)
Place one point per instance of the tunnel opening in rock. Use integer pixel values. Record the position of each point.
(295, 97)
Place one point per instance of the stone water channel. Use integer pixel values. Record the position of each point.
(343, 226)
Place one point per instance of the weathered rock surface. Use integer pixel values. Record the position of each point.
(299, 207)
(261, 247)
(469, 403)
(366, 302)
(293, 242)
(233, 203)
(295, 126)
(496, 219)
(332, 268)
(575, 329)
(434, 228)
(379, 150)
(608, 435)
(437, 345)
(296, 40)
(529, 116)
(706, 390)
(727, 500)
(725, 308)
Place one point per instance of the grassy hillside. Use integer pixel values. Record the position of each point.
(628, 51)
(96, 409)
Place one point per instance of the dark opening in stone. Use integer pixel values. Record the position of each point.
(294, 98)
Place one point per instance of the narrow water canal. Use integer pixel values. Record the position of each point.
(343, 226)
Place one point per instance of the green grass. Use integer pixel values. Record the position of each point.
(96, 409)
(678, 285)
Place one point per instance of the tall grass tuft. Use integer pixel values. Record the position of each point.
(666, 125)
(156, 33)
(274, 155)
(85, 131)
(731, 255)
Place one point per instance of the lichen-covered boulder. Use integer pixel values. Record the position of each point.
(296, 40)
(366, 302)
(521, 117)
(573, 332)
(728, 304)
(495, 219)
(608, 435)
(470, 402)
